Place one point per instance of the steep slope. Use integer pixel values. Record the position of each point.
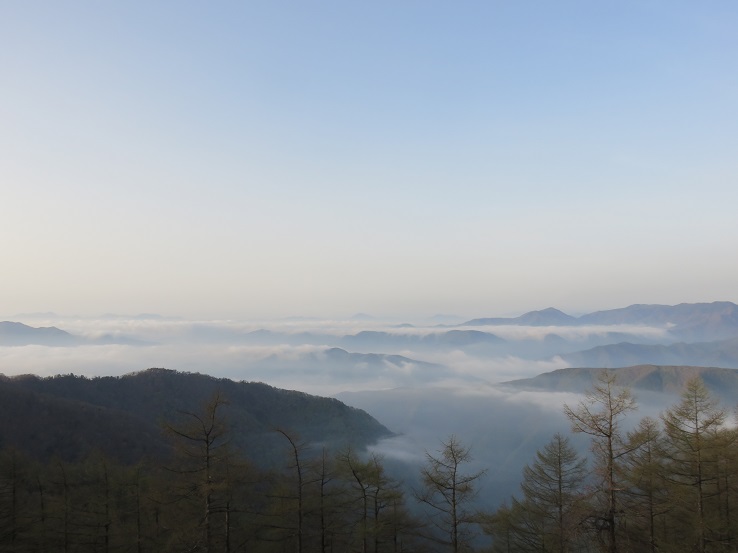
(69, 416)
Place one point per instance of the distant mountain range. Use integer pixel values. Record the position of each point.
(19, 334)
(546, 317)
(68, 416)
(348, 359)
(686, 321)
(668, 379)
(451, 338)
(331, 365)
(721, 353)
(704, 334)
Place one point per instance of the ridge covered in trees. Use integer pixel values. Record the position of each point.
(671, 379)
(207, 496)
(666, 484)
(69, 416)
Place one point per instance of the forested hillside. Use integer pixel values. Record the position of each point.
(667, 485)
(69, 416)
(202, 483)
(204, 495)
(655, 378)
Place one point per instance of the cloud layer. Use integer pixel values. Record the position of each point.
(297, 353)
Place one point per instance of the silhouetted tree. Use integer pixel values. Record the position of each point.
(694, 431)
(552, 488)
(448, 491)
(553, 504)
(646, 498)
(17, 505)
(600, 416)
(300, 483)
(201, 443)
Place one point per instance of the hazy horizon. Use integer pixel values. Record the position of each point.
(295, 353)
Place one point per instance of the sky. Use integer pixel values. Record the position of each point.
(321, 158)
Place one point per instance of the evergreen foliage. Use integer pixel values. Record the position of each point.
(667, 485)
(449, 490)
(123, 416)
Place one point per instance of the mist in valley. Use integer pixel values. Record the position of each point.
(422, 381)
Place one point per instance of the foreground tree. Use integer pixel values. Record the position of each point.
(17, 513)
(201, 443)
(375, 504)
(646, 497)
(600, 416)
(448, 491)
(300, 515)
(696, 436)
(548, 515)
(552, 488)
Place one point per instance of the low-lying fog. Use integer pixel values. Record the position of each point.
(292, 353)
(420, 382)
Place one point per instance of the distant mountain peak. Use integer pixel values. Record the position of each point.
(688, 321)
(544, 317)
(18, 334)
(550, 311)
(547, 316)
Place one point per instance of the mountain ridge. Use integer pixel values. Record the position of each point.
(14, 334)
(722, 353)
(69, 415)
(687, 321)
(19, 334)
(544, 317)
(670, 379)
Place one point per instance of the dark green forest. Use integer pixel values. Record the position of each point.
(68, 416)
(203, 495)
(655, 485)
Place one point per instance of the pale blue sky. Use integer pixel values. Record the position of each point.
(250, 159)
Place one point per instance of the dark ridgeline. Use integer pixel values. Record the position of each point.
(666, 484)
(162, 461)
(69, 416)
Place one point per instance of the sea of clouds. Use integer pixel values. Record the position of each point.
(425, 396)
(283, 353)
